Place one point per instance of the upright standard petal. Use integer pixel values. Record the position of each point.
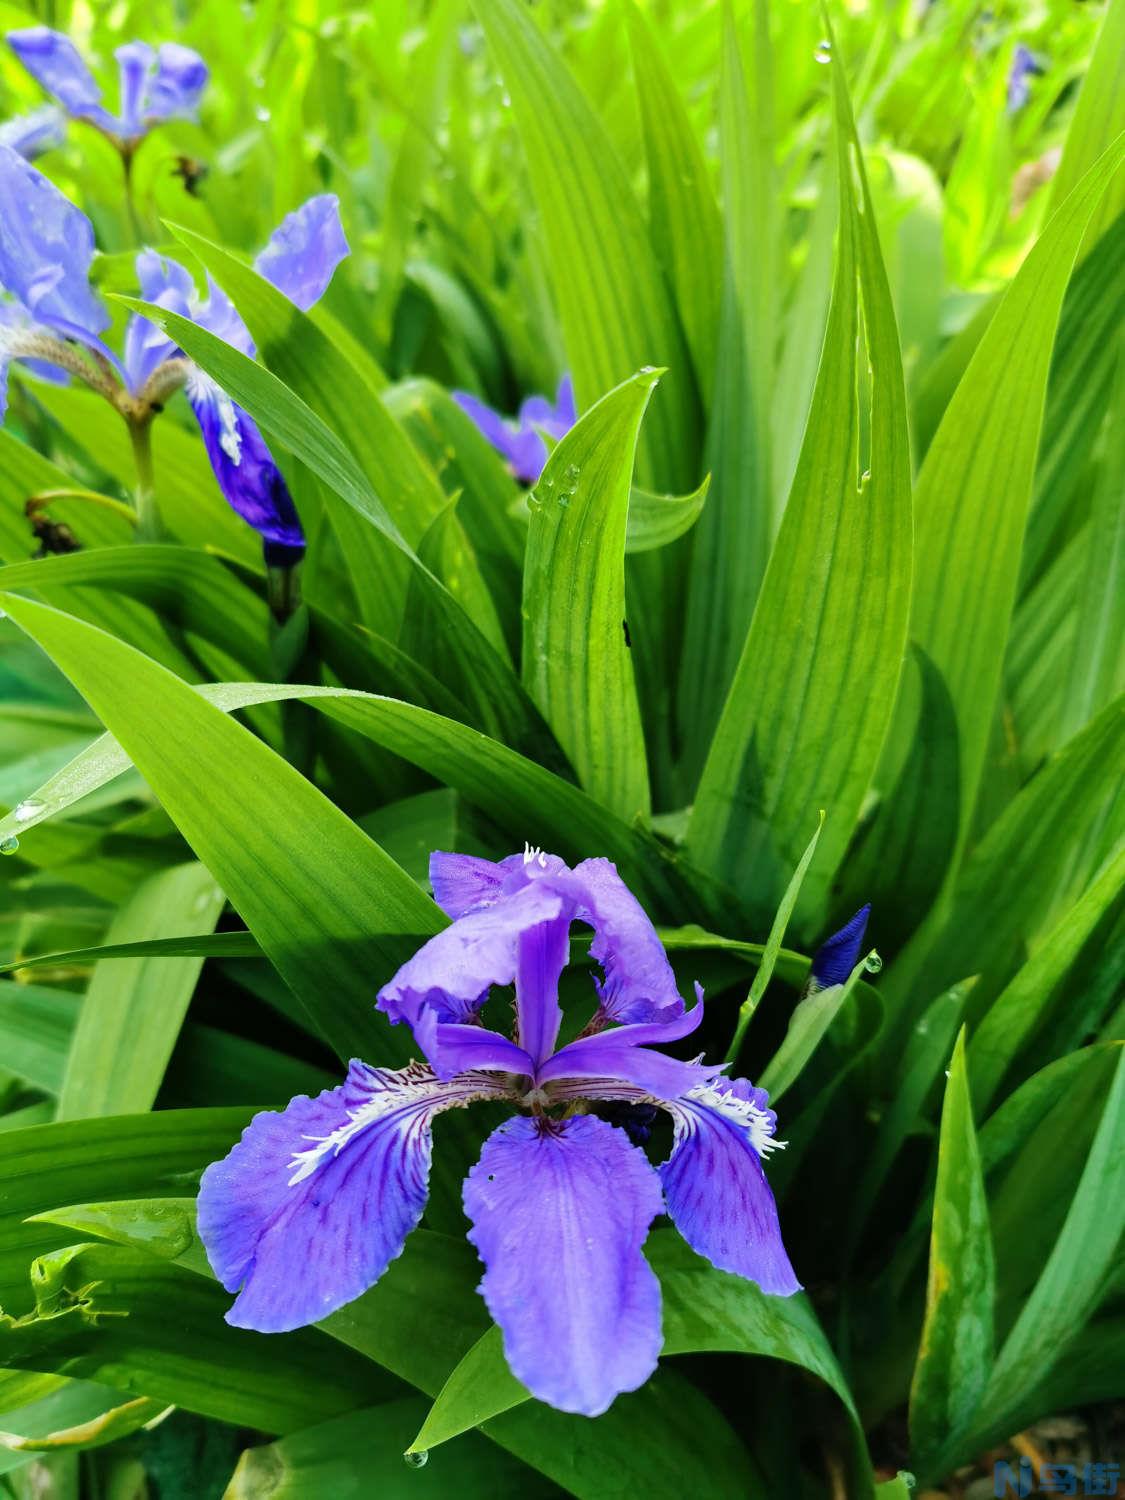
(835, 959)
(639, 983)
(46, 247)
(313, 1204)
(714, 1185)
(176, 86)
(32, 134)
(450, 976)
(463, 883)
(53, 60)
(168, 284)
(542, 956)
(134, 60)
(560, 1210)
(305, 250)
(251, 482)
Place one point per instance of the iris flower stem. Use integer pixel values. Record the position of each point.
(127, 153)
(44, 498)
(149, 528)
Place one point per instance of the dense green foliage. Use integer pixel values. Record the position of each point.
(821, 260)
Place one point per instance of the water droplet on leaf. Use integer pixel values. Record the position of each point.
(823, 53)
(261, 114)
(873, 963)
(417, 1460)
(29, 808)
(9, 845)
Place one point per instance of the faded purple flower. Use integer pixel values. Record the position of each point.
(32, 134)
(522, 443)
(1019, 78)
(308, 1210)
(299, 260)
(46, 249)
(154, 85)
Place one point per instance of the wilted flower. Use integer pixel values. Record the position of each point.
(838, 955)
(154, 85)
(46, 249)
(310, 1207)
(1019, 78)
(32, 134)
(522, 443)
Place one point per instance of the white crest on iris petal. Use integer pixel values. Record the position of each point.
(754, 1120)
(532, 853)
(200, 387)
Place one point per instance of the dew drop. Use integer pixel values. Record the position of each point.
(261, 114)
(9, 845)
(823, 53)
(30, 808)
(417, 1460)
(873, 963)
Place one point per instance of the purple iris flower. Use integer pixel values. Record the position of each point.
(154, 85)
(32, 134)
(310, 1207)
(838, 955)
(522, 442)
(1019, 78)
(46, 249)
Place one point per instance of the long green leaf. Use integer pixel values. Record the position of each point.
(131, 1015)
(576, 662)
(986, 447)
(809, 707)
(955, 1357)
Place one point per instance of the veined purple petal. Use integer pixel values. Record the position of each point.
(313, 1204)
(134, 60)
(46, 247)
(714, 1185)
(449, 978)
(463, 882)
(53, 60)
(168, 284)
(835, 959)
(542, 956)
(625, 1054)
(452, 1047)
(176, 86)
(251, 482)
(560, 1211)
(32, 134)
(304, 251)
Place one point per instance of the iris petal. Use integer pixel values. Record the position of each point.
(134, 59)
(560, 1211)
(53, 60)
(304, 250)
(715, 1187)
(177, 85)
(312, 1205)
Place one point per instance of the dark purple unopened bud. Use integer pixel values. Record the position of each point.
(835, 959)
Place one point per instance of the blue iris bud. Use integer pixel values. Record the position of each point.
(835, 959)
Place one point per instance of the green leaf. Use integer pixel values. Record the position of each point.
(1023, 1004)
(658, 520)
(131, 1015)
(807, 1028)
(1007, 885)
(210, 945)
(576, 661)
(955, 1356)
(1099, 119)
(772, 947)
(1074, 1279)
(329, 908)
(104, 1315)
(986, 446)
(687, 231)
(732, 543)
(35, 1027)
(350, 1456)
(809, 707)
(617, 316)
